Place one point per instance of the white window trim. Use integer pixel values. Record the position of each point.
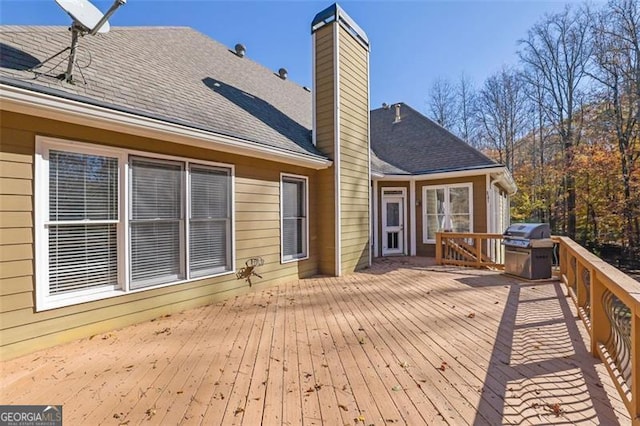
(446, 187)
(45, 301)
(305, 255)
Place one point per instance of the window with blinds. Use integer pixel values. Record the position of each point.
(294, 218)
(82, 222)
(98, 237)
(156, 223)
(210, 220)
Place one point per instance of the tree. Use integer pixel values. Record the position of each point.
(500, 111)
(554, 57)
(616, 67)
(466, 98)
(442, 103)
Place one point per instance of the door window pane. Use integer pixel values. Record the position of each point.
(393, 214)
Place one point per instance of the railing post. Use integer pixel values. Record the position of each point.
(635, 364)
(581, 287)
(599, 321)
(562, 260)
(478, 244)
(438, 248)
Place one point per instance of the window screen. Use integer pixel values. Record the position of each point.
(210, 221)
(156, 222)
(83, 214)
(294, 220)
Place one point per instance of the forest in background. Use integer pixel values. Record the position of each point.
(566, 121)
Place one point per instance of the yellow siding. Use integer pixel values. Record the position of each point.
(354, 154)
(325, 124)
(257, 226)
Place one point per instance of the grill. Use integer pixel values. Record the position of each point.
(528, 250)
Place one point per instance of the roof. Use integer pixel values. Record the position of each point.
(175, 74)
(396, 147)
(178, 75)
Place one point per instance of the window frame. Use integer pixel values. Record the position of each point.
(43, 144)
(446, 188)
(305, 240)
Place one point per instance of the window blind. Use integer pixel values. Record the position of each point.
(210, 225)
(156, 222)
(293, 218)
(83, 188)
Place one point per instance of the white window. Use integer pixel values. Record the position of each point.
(446, 208)
(111, 221)
(294, 229)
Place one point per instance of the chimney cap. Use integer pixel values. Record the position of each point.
(240, 50)
(282, 73)
(336, 13)
(385, 105)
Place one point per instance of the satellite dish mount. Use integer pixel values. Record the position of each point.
(87, 19)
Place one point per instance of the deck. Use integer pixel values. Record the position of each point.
(404, 342)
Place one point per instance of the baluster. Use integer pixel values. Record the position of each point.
(600, 325)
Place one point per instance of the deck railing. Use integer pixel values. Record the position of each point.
(607, 301)
(470, 249)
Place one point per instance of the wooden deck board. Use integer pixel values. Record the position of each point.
(332, 351)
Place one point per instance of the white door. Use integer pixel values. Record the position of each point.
(392, 225)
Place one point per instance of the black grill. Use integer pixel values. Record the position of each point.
(528, 250)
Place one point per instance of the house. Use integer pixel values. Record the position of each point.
(170, 162)
(451, 186)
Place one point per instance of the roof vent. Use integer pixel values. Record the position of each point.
(307, 89)
(398, 118)
(282, 73)
(240, 50)
(385, 105)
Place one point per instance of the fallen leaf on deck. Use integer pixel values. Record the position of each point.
(471, 315)
(343, 407)
(238, 411)
(359, 419)
(180, 392)
(443, 366)
(125, 423)
(150, 412)
(396, 388)
(164, 330)
(404, 364)
(555, 409)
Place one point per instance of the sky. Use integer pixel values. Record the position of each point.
(412, 42)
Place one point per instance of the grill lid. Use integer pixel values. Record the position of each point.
(530, 231)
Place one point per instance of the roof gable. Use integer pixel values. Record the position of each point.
(417, 145)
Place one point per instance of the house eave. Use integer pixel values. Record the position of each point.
(500, 174)
(45, 105)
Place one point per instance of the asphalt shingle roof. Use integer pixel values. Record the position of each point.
(417, 145)
(179, 75)
(173, 73)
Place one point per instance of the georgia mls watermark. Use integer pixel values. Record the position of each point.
(30, 415)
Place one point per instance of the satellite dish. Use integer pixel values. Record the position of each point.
(87, 19)
(84, 13)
